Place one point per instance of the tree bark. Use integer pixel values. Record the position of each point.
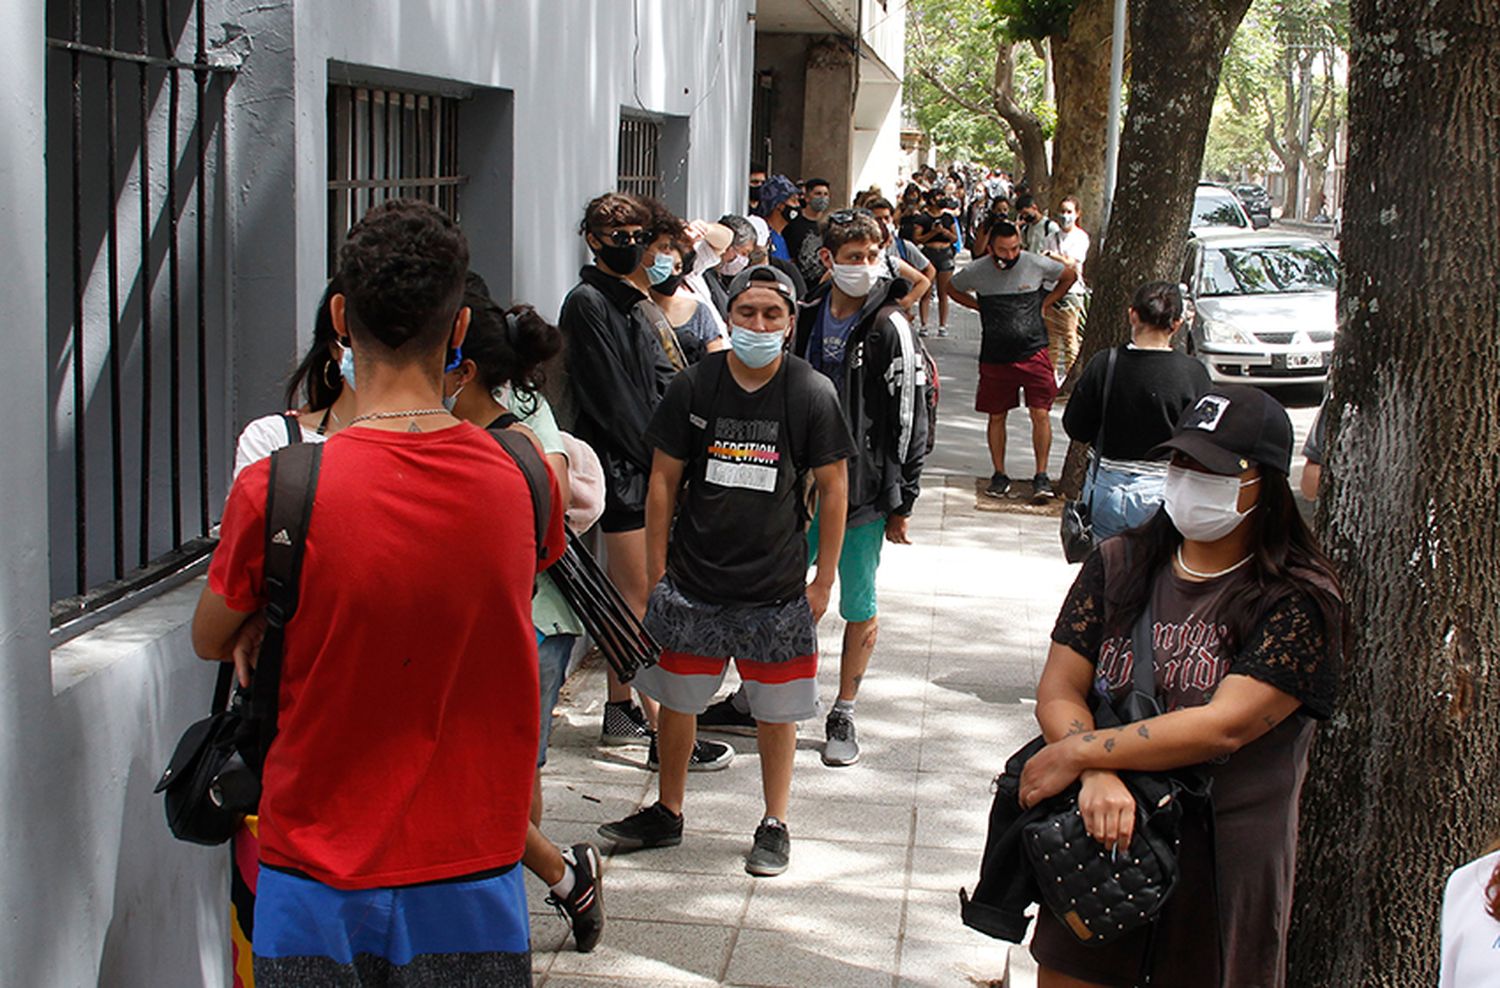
(1080, 71)
(1173, 81)
(1405, 781)
(1023, 123)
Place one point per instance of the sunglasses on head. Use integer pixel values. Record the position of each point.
(624, 238)
(848, 215)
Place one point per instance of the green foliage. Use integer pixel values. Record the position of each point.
(1033, 20)
(956, 41)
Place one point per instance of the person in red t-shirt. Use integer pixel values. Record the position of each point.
(395, 799)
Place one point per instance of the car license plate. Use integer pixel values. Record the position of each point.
(1298, 360)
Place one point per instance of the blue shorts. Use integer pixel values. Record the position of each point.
(473, 932)
(858, 561)
(1121, 499)
(552, 654)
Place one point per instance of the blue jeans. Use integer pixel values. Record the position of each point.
(1121, 499)
(552, 657)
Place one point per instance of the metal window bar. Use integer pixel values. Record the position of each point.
(638, 170)
(94, 57)
(385, 144)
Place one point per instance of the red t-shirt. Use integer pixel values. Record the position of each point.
(409, 699)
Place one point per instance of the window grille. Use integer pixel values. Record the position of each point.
(388, 144)
(639, 171)
(134, 324)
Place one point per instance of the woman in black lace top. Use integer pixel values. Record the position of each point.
(1247, 630)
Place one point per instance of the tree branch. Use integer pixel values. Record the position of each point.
(953, 96)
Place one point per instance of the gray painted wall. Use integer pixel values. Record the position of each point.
(93, 891)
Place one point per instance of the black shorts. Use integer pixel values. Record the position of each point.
(941, 258)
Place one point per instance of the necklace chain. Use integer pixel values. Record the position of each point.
(409, 413)
(1209, 576)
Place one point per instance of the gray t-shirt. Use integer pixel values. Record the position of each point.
(1010, 304)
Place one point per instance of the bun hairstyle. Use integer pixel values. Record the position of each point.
(317, 380)
(508, 346)
(1158, 304)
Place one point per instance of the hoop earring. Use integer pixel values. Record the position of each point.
(330, 379)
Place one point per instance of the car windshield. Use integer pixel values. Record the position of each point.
(1217, 210)
(1264, 269)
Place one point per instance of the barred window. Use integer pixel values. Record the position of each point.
(639, 168)
(388, 144)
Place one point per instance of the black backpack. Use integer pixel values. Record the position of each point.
(213, 777)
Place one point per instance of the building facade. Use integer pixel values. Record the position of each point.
(177, 178)
(828, 92)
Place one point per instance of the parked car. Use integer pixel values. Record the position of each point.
(1214, 205)
(1257, 202)
(1262, 306)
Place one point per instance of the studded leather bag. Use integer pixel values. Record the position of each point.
(1098, 893)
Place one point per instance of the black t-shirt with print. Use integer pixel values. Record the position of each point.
(739, 534)
(1288, 649)
(924, 221)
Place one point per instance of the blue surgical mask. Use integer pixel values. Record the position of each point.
(755, 349)
(661, 268)
(346, 366)
(450, 400)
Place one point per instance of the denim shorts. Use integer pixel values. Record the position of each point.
(1119, 499)
(552, 655)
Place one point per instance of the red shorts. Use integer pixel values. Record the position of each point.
(1000, 384)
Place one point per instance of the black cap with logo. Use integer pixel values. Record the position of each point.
(764, 276)
(1231, 427)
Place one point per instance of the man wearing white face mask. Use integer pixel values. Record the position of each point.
(1070, 245)
(745, 428)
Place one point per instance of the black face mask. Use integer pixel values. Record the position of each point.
(790, 213)
(1007, 264)
(621, 260)
(669, 286)
(754, 195)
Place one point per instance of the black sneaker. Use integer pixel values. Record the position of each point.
(708, 756)
(624, 723)
(722, 716)
(1041, 489)
(999, 485)
(772, 851)
(583, 907)
(655, 826)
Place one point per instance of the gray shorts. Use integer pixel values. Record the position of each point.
(774, 648)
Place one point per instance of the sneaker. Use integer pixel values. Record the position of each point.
(723, 717)
(943, 332)
(999, 485)
(624, 723)
(708, 756)
(655, 826)
(772, 851)
(1041, 489)
(922, 329)
(583, 907)
(842, 746)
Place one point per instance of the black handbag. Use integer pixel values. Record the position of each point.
(213, 777)
(1100, 895)
(1077, 527)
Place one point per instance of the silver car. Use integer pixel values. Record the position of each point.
(1262, 306)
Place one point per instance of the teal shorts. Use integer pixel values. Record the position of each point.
(858, 562)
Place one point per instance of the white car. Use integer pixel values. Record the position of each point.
(1262, 305)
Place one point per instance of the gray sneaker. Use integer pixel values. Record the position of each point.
(772, 851)
(842, 746)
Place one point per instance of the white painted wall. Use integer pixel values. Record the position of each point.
(93, 890)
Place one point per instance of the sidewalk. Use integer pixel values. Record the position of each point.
(879, 849)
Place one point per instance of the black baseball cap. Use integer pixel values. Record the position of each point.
(765, 276)
(1231, 427)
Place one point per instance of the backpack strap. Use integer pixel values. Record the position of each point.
(289, 504)
(293, 428)
(521, 450)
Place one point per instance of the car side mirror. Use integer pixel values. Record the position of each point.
(1260, 221)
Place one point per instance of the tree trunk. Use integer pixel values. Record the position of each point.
(1173, 81)
(1080, 70)
(1405, 781)
(1024, 123)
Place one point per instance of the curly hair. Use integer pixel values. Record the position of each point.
(508, 346)
(403, 270)
(613, 209)
(849, 225)
(665, 223)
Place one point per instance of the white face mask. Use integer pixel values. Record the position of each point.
(856, 280)
(734, 267)
(1203, 506)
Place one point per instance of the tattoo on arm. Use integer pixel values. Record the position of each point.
(1144, 732)
(1089, 738)
(1076, 728)
(1270, 721)
(1109, 745)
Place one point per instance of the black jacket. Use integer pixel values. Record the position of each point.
(1006, 883)
(882, 399)
(617, 372)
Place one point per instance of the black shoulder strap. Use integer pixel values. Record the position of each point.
(1142, 643)
(289, 504)
(293, 427)
(520, 449)
(704, 395)
(1109, 383)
